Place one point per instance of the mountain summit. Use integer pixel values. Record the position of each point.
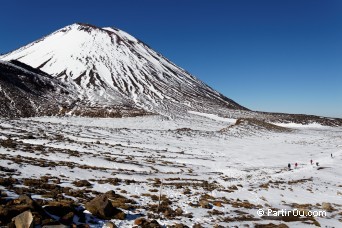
(107, 67)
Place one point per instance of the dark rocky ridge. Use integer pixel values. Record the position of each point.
(26, 91)
(300, 119)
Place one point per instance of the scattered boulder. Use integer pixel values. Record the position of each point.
(139, 221)
(3, 194)
(145, 223)
(57, 226)
(67, 218)
(7, 182)
(218, 204)
(244, 204)
(233, 187)
(59, 208)
(270, 225)
(218, 226)
(187, 191)
(119, 201)
(327, 207)
(82, 183)
(109, 225)
(25, 200)
(215, 212)
(179, 211)
(110, 194)
(152, 224)
(179, 225)
(118, 214)
(83, 226)
(205, 204)
(101, 207)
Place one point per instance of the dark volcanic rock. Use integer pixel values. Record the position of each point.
(60, 208)
(299, 119)
(82, 183)
(26, 91)
(68, 218)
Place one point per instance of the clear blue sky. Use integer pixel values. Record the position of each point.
(269, 55)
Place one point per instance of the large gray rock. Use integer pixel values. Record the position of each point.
(23, 220)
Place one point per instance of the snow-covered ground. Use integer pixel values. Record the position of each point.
(238, 171)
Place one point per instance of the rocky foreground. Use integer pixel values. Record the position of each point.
(153, 172)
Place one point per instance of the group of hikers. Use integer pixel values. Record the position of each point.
(311, 161)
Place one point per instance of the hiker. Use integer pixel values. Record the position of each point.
(289, 166)
(317, 163)
(331, 156)
(311, 161)
(296, 165)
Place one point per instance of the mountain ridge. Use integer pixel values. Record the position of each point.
(113, 74)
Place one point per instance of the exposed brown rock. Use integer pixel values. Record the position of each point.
(139, 221)
(17, 206)
(102, 208)
(205, 204)
(145, 223)
(59, 208)
(218, 204)
(109, 225)
(82, 183)
(179, 225)
(67, 218)
(270, 225)
(327, 207)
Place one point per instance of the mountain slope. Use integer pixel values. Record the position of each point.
(107, 66)
(25, 91)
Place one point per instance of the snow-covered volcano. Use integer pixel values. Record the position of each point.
(107, 66)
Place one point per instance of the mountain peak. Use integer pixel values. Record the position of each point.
(81, 27)
(89, 27)
(85, 25)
